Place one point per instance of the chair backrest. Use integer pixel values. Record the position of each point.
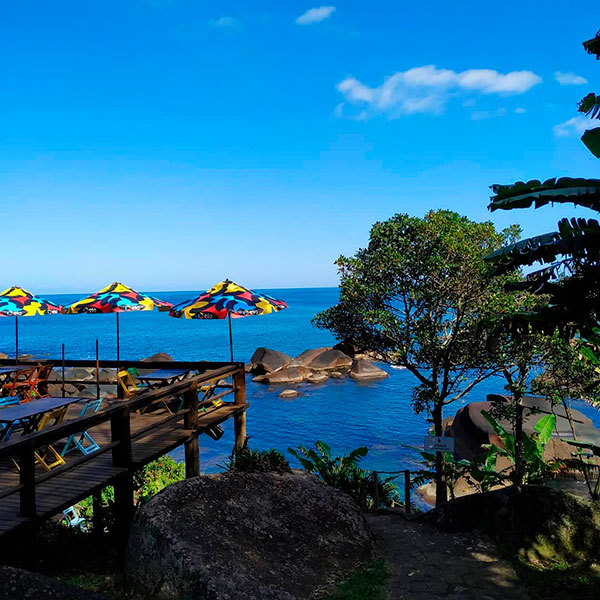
(57, 415)
(9, 401)
(128, 383)
(92, 406)
(39, 384)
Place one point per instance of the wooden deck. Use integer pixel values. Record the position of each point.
(128, 441)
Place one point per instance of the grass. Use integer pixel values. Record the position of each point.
(559, 579)
(368, 582)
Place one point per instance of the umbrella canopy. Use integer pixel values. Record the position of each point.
(227, 300)
(18, 302)
(116, 298)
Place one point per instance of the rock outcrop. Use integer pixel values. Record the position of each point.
(537, 520)
(266, 361)
(257, 536)
(159, 356)
(287, 375)
(17, 583)
(289, 394)
(305, 358)
(331, 360)
(365, 370)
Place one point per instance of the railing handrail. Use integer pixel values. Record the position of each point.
(52, 434)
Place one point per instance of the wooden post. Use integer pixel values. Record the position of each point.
(122, 457)
(97, 516)
(190, 422)
(407, 492)
(375, 478)
(239, 420)
(28, 506)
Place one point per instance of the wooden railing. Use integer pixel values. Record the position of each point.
(210, 377)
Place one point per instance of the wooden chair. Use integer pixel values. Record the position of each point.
(6, 429)
(83, 441)
(130, 386)
(38, 384)
(47, 453)
(20, 384)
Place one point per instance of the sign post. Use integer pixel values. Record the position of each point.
(435, 443)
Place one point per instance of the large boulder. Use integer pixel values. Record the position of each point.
(306, 357)
(287, 375)
(540, 522)
(3, 356)
(365, 370)
(17, 583)
(256, 536)
(470, 429)
(331, 360)
(159, 356)
(80, 374)
(266, 361)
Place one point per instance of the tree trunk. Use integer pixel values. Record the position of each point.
(441, 492)
(519, 464)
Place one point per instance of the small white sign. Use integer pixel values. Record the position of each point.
(439, 444)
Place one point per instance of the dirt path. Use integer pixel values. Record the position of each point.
(426, 564)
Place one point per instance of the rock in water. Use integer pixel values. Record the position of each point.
(267, 361)
(159, 356)
(318, 378)
(287, 375)
(364, 370)
(17, 583)
(331, 360)
(251, 536)
(289, 394)
(304, 359)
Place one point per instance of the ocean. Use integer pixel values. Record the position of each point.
(343, 413)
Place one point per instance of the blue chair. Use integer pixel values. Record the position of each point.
(73, 519)
(7, 428)
(83, 441)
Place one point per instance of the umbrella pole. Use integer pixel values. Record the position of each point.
(118, 344)
(230, 338)
(63, 370)
(97, 373)
(16, 339)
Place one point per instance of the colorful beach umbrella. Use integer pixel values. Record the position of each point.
(227, 300)
(18, 302)
(116, 298)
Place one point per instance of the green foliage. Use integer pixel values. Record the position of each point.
(343, 473)
(147, 482)
(536, 469)
(247, 460)
(368, 581)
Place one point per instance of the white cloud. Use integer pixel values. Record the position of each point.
(314, 15)
(569, 78)
(427, 89)
(520, 110)
(480, 115)
(574, 126)
(227, 23)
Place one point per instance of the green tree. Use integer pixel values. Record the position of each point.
(416, 296)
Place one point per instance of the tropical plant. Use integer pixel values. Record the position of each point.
(247, 460)
(416, 296)
(343, 473)
(586, 459)
(453, 470)
(535, 468)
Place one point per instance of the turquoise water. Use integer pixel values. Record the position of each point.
(343, 413)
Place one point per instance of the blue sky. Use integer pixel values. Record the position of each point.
(172, 143)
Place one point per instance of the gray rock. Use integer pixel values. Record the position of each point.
(55, 389)
(364, 370)
(289, 394)
(159, 356)
(256, 536)
(266, 361)
(331, 360)
(25, 585)
(317, 378)
(304, 359)
(287, 375)
(80, 374)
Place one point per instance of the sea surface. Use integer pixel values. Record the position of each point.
(343, 413)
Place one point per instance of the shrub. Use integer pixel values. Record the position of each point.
(247, 460)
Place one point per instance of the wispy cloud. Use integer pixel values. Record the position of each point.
(427, 90)
(480, 115)
(572, 127)
(520, 110)
(227, 23)
(569, 78)
(314, 15)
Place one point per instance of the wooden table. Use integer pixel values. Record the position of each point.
(31, 413)
(163, 377)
